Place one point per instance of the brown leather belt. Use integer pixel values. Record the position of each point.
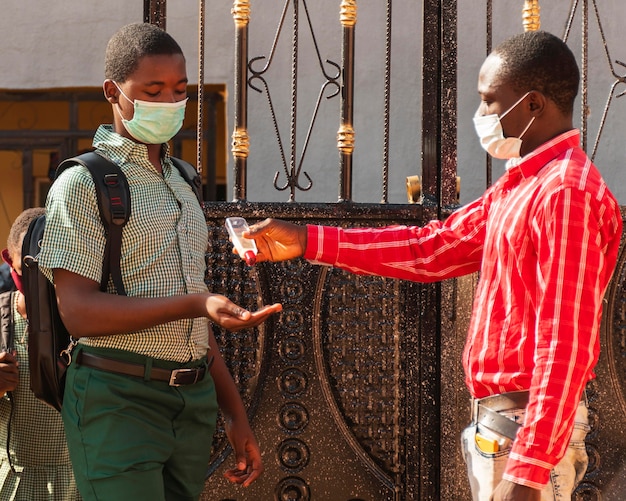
(175, 377)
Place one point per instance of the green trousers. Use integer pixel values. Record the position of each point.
(135, 440)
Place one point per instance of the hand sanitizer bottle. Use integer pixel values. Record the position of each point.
(246, 247)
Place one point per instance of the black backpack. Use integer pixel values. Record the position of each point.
(49, 344)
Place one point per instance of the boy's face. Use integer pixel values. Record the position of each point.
(15, 257)
(161, 78)
(17, 262)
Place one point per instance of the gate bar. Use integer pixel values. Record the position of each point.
(241, 141)
(154, 12)
(345, 135)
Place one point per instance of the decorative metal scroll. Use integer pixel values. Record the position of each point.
(619, 79)
(531, 20)
(292, 162)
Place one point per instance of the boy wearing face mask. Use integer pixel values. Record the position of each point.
(544, 238)
(143, 389)
(34, 460)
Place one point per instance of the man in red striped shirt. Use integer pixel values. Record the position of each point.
(544, 238)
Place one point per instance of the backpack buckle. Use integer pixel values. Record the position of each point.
(118, 211)
(66, 354)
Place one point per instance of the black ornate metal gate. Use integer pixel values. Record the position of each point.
(344, 387)
(355, 391)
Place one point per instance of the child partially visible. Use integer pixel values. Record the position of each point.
(34, 460)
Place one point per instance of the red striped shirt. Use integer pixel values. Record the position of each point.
(545, 239)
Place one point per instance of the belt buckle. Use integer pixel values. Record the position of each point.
(175, 373)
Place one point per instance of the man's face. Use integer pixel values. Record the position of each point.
(497, 96)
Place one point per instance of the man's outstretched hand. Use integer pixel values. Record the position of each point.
(278, 240)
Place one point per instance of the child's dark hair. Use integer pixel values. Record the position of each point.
(537, 60)
(133, 42)
(19, 228)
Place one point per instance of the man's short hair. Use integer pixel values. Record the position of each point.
(537, 60)
(133, 42)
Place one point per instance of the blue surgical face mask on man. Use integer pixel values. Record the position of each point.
(154, 122)
(489, 130)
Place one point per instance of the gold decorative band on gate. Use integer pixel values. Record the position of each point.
(531, 17)
(241, 143)
(345, 139)
(347, 13)
(241, 12)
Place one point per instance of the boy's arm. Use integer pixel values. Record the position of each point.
(248, 463)
(86, 311)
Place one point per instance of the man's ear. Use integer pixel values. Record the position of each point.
(536, 102)
(111, 92)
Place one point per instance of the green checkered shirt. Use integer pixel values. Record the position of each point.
(163, 244)
(38, 449)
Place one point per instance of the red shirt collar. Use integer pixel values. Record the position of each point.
(534, 161)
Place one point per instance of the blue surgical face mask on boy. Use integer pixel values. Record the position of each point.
(154, 122)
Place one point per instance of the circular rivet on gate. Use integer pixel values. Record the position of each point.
(292, 382)
(293, 417)
(292, 489)
(293, 455)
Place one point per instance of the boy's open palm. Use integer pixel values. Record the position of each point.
(231, 317)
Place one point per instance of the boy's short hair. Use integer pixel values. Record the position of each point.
(19, 228)
(133, 42)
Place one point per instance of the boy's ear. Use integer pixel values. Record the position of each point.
(111, 92)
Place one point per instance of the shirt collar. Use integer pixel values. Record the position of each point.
(123, 150)
(534, 161)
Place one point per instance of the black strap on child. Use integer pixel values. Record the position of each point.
(7, 343)
(6, 321)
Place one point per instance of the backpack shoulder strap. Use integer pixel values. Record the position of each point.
(113, 197)
(6, 321)
(191, 175)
